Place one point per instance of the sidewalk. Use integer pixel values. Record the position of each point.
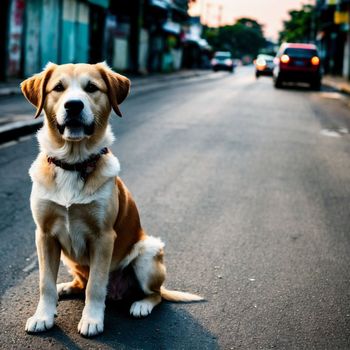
(16, 113)
(10, 87)
(338, 83)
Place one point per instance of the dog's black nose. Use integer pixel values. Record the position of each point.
(74, 107)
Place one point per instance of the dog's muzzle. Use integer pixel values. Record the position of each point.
(74, 120)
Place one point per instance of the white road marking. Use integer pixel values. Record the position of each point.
(8, 144)
(332, 95)
(330, 133)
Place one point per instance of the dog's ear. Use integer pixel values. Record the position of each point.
(118, 86)
(34, 88)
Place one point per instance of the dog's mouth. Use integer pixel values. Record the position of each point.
(74, 129)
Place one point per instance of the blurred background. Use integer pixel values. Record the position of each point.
(145, 36)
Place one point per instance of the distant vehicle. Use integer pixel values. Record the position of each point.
(297, 63)
(222, 60)
(264, 65)
(237, 62)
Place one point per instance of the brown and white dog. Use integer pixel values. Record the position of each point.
(82, 210)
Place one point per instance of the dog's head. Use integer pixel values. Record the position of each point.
(77, 98)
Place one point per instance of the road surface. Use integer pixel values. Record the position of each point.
(249, 187)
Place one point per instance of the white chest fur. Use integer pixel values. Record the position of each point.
(69, 190)
(74, 214)
(68, 187)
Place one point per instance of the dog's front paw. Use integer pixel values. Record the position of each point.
(89, 327)
(39, 323)
(141, 308)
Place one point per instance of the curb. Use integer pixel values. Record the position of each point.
(340, 87)
(14, 131)
(160, 78)
(10, 91)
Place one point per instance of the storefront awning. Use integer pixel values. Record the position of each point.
(172, 27)
(102, 3)
(163, 4)
(202, 43)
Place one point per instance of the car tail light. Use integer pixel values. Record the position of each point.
(228, 62)
(214, 61)
(285, 59)
(315, 61)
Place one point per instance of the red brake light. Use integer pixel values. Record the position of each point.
(315, 61)
(285, 59)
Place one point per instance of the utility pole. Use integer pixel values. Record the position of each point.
(208, 7)
(201, 11)
(220, 8)
(136, 22)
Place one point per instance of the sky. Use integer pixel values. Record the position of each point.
(270, 13)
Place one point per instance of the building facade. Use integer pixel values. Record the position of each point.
(39, 31)
(131, 35)
(333, 35)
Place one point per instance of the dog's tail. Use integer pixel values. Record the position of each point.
(173, 295)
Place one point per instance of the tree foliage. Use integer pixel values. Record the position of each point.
(243, 38)
(299, 27)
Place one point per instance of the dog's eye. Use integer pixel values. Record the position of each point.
(59, 87)
(90, 87)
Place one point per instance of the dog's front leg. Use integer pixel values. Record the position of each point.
(101, 251)
(48, 250)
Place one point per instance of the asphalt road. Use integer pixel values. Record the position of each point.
(248, 186)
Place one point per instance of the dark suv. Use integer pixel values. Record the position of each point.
(297, 63)
(222, 60)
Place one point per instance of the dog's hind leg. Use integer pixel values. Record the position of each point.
(80, 276)
(150, 273)
(144, 307)
(68, 288)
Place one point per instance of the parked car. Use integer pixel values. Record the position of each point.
(237, 62)
(222, 60)
(297, 63)
(263, 65)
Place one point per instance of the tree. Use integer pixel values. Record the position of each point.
(244, 38)
(300, 26)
